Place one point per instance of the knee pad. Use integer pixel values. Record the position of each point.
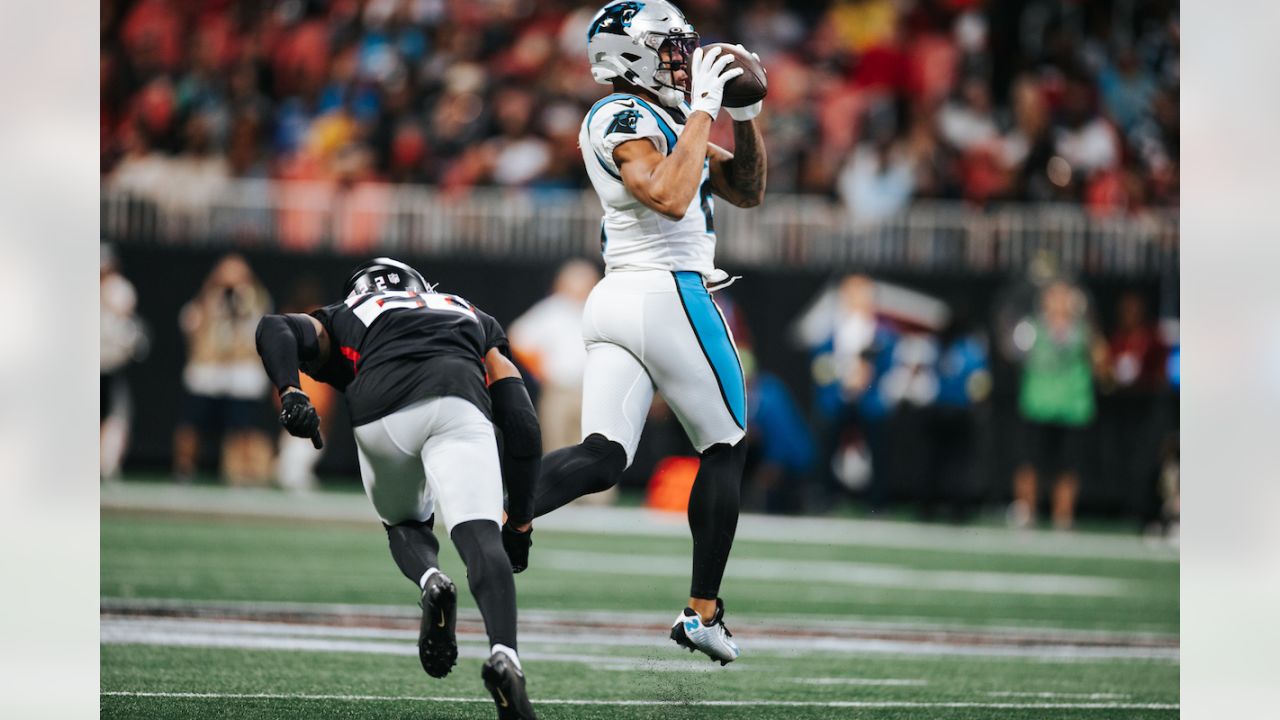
(610, 457)
(429, 524)
(604, 448)
(724, 452)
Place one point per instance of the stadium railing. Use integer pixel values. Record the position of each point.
(788, 231)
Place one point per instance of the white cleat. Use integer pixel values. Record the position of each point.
(711, 638)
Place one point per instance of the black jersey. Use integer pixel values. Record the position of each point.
(391, 349)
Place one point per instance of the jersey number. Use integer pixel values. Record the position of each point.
(369, 307)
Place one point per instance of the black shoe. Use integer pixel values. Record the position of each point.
(505, 683)
(437, 645)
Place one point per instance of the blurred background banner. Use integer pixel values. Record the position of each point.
(961, 293)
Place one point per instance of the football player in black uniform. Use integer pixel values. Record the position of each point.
(412, 364)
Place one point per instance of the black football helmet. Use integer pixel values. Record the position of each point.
(384, 273)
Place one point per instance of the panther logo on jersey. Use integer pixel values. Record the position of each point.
(614, 18)
(624, 122)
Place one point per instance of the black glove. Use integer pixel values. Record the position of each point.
(299, 417)
(517, 545)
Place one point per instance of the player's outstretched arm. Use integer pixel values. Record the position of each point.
(514, 415)
(284, 341)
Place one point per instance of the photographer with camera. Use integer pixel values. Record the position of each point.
(223, 379)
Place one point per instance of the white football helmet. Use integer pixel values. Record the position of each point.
(627, 40)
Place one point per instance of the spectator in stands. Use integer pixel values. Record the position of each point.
(878, 180)
(1085, 144)
(1056, 401)
(123, 341)
(547, 341)
(224, 381)
(462, 94)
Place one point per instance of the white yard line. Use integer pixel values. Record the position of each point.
(1060, 695)
(658, 703)
(862, 682)
(188, 632)
(840, 573)
(353, 507)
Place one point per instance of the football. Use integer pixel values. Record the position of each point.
(748, 88)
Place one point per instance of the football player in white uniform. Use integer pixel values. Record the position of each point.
(651, 323)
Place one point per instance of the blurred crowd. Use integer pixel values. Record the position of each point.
(900, 404)
(878, 102)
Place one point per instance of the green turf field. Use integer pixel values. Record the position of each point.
(247, 605)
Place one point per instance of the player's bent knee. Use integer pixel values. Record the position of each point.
(725, 451)
(610, 460)
(428, 524)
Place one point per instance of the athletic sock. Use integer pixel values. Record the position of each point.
(713, 515)
(415, 549)
(594, 465)
(479, 542)
(499, 648)
(427, 576)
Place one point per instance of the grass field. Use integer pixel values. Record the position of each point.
(264, 605)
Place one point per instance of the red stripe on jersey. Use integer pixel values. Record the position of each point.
(353, 355)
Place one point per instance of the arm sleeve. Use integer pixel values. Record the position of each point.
(283, 342)
(619, 121)
(514, 415)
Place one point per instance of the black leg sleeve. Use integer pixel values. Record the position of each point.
(414, 547)
(713, 515)
(594, 465)
(479, 542)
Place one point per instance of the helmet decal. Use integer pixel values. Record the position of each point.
(614, 18)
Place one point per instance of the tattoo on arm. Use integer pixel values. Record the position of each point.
(745, 173)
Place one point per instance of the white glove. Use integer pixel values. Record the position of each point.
(749, 112)
(707, 79)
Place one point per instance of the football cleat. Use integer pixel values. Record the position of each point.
(505, 682)
(437, 645)
(711, 638)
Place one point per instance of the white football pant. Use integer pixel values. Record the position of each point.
(440, 454)
(655, 329)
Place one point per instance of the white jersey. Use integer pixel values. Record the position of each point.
(633, 237)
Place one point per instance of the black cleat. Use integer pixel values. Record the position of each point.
(505, 683)
(437, 645)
